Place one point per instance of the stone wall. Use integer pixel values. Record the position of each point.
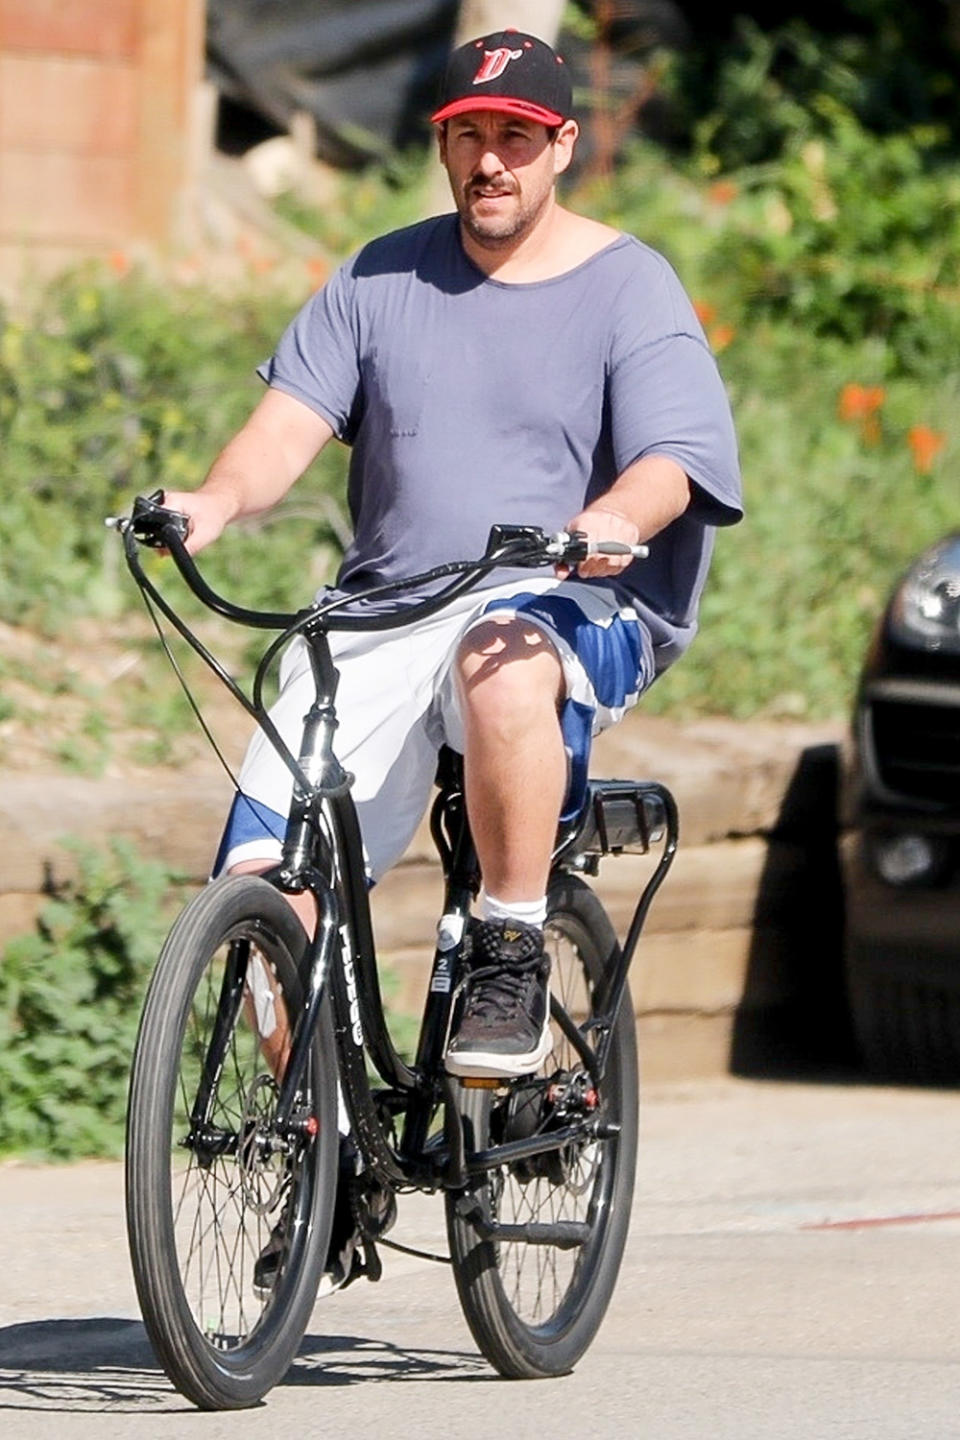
(739, 967)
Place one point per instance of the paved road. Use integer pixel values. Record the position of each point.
(791, 1275)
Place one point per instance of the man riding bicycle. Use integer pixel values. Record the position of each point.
(513, 362)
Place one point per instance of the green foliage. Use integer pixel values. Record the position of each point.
(71, 992)
(854, 236)
(841, 192)
(833, 519)
(114, 387)
(382, 197)
(768, 93)
(70, 996)
(746, 91)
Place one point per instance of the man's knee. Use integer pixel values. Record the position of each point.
(504, 658)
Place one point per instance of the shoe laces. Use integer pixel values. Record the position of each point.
(500, 989)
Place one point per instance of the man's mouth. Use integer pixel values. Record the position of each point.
(489, 192)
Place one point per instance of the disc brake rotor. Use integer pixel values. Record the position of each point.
(261, 1156)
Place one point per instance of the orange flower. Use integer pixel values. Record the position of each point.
(721, 192)
(720, 336)
(925, 445)
(860, 402)
(705, 312)
(119, 262)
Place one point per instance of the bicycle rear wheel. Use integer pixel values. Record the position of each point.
(533, 1309)
(208, 1182)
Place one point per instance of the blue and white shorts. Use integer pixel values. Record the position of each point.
(397, 704)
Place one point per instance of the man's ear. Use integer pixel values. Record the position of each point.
(566, 139)
(441, 130)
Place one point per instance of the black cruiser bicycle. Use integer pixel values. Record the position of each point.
(249, 1026)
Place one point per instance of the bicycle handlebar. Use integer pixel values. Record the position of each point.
(156, 527)
(524, 546)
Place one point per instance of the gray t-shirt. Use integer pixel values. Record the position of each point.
(469, 402)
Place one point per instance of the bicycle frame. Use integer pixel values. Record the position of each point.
(322, 853)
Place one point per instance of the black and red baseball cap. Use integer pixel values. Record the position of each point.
(510, 72)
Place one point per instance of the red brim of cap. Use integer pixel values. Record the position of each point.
(504, 104)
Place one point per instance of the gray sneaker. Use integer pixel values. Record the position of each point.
(504, 1021)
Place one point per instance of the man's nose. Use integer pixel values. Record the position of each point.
(490, 162)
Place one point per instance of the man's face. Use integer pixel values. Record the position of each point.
(502, 171)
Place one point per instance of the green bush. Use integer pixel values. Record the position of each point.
(851, 236)
(119, 386)
(71, 992)
(70, 997)
(745, 92)
(806, 302)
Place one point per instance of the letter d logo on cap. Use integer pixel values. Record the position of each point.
(494, 64)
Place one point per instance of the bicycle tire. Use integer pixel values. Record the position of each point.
(197, 1221)
(533, 1309)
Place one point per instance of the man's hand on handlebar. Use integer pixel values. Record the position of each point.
(208, 512)
(599, 525)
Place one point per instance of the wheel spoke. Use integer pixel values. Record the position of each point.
(202, 1198)
(532, 1307)
(542, 1275)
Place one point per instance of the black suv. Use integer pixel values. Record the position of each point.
(901, 818)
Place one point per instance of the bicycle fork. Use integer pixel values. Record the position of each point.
(209, 1141)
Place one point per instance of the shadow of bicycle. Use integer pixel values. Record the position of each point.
(107, 1365)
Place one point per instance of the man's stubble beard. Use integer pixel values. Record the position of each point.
(498, 233)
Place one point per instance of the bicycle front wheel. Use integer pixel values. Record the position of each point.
(212, 1189)
(534, 1308)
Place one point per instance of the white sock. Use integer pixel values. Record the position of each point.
(528, 912)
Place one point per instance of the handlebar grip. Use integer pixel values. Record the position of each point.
(617, 547)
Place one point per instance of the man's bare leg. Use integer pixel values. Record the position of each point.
(511, 687)
(275, 1047)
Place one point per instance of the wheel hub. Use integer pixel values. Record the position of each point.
(259, 1149)
(536, 1107)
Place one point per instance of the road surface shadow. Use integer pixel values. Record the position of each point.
(107, 1364)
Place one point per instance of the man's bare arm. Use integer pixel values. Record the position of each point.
(255, 469)
(650, 493)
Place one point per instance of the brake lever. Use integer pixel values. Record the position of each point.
(569, 547)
